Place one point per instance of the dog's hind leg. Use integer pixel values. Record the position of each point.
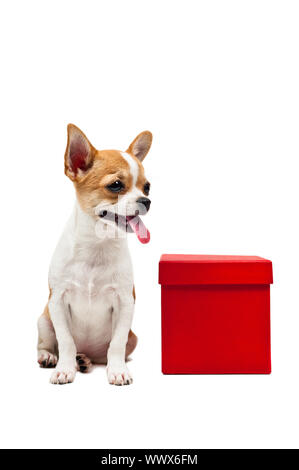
(83, 363)
(131, 344)
(47, 343)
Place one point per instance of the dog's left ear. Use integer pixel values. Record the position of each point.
(141, 145)
(79, 153)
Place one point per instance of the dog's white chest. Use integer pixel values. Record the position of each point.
(94, 277)
(91, 297)
(87, 282)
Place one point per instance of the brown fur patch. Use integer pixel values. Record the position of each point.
(108, 166)
(131, 344)
(134, 293)
(46, 313)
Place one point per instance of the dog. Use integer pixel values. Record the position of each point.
(90, 308)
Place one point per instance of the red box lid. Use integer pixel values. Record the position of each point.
(213, 269)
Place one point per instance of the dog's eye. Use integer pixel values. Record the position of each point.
(146, 189)
(116, 186)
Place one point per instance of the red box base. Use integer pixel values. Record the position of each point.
(216, 329)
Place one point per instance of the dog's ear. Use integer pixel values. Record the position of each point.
(79, 153)
(141, 145)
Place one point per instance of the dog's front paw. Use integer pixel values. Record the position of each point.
(63, 375)
(119, 375)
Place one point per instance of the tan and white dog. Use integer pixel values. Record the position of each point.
(90, 308)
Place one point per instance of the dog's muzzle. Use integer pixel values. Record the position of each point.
(144, 204)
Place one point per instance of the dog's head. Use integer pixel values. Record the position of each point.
(111, 185)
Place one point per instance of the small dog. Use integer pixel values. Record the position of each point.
(89, 312)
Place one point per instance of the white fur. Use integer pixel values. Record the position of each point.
(133, 166)
(91, 305)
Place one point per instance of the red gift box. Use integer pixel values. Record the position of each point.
(215, 314)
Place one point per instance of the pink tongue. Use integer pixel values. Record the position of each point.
(139, 228)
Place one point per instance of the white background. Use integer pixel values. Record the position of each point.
(217, 84)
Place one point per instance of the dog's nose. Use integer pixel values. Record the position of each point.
(145, 201)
